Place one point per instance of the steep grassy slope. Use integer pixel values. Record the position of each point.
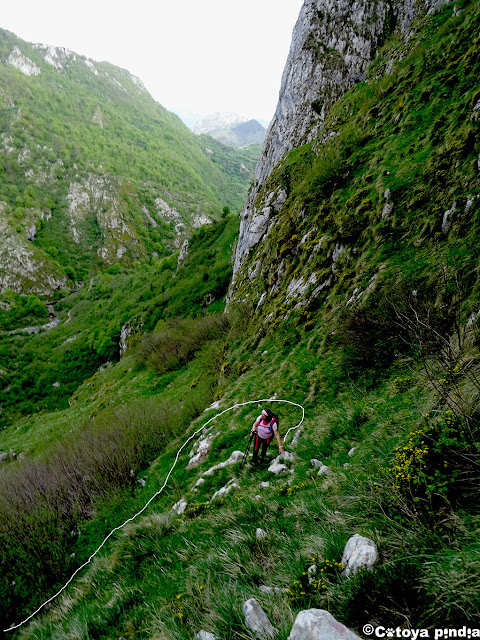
(161, 293)
(361, 304)
(93, 171)
(169, 576)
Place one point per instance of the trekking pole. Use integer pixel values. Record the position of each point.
(246, 450)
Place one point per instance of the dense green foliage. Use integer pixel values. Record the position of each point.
(385, 358)
(92, 318)
(20, 311)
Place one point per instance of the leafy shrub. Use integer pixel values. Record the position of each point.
(179, 339)
(44, 502)
(242, 367)
(402, 383)
(435, 467)
(370, 336)
(197, 508)
(387, 594)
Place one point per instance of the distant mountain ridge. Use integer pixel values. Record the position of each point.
(217, 120)
(231, 129)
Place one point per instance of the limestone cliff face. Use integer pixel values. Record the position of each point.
(23, 267)
(332, 45)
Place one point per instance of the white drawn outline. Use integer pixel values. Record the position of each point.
(235, 406)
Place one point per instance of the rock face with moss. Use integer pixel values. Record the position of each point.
(333, 43)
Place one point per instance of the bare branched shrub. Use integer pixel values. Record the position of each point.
(447, 343)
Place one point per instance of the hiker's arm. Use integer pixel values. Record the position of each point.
(255, 425)
(277, 436)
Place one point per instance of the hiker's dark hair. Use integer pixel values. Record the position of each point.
(269, 414)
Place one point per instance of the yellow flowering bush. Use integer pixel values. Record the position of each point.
(409, 460)
(451, 374)
(427, 466)
(197, 508)
(289, 490)
(402, 383)
(314, 581)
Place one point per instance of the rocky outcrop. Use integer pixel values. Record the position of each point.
(129, 329)
(277, 466)
(235, 457)
(57, 57)
(180, 506)
(332, 45)
(23, 267)
(21, 62)
(183, 252)
(99, 198)
(221, 493)
(200, 450)
(324, 470)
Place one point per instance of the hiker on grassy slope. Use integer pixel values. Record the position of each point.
(263, 430)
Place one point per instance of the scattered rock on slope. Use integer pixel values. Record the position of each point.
(359, 552)
(317, 624)
(205, 635)
(257, 620)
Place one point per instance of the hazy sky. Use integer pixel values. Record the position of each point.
(204, 55)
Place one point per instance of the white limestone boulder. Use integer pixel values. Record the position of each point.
(233, 459)
(296, 437)
(257, 620)
(277, 466)
(359, 552)
(200, 450)
(317, 624)
(205, 635)
(180, 506)
(324, 470)
(224, 490)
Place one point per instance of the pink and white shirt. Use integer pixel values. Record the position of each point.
(265, 428)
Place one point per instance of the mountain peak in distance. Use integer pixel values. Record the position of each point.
(231, 129)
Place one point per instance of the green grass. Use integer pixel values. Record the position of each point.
(204, 567)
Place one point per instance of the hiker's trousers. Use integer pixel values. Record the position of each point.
(264, 442)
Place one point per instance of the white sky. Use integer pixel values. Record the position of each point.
(202, 55)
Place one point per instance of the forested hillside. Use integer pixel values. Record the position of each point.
(94, 172)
